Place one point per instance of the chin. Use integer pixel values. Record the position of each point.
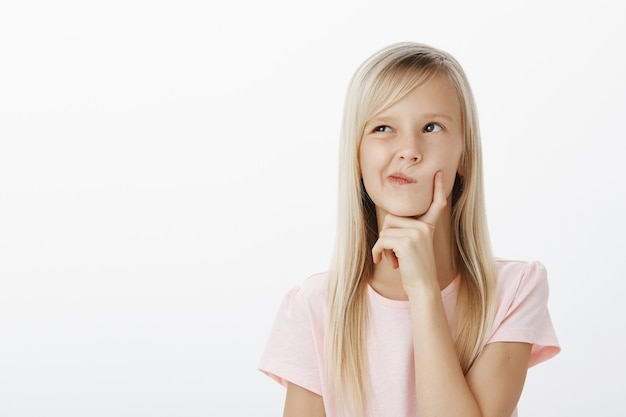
(410, 214)
(407, 211)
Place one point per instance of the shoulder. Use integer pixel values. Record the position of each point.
(293, 350)
(313, 289)
(522, 308)
(315, 285)
(309, 296)
(516, 267)
(516, 278)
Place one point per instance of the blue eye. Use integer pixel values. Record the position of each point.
(382, 128)
(433, 128)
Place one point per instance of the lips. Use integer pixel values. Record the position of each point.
(400, 179)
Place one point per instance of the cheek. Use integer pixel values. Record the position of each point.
(449, 183)
(367, 161)
(450, 169)
(361, 160)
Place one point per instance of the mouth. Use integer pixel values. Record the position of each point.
(399, 178)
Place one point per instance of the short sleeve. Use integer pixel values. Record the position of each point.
(522, 314)
(292, 353)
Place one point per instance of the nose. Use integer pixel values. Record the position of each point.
(410, 149)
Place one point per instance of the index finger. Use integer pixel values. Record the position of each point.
(439, 202)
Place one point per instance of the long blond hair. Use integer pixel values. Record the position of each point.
(379, 82)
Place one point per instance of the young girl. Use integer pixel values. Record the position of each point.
(415, 316)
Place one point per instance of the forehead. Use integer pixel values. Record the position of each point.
(435, 95)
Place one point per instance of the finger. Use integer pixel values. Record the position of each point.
(384, 247)
(377, 255)
(439, 201)
(392, 221)
(378, 252)
(392, 258)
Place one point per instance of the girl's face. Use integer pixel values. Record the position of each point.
(405, 145)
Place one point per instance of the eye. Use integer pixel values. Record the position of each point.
(433, 128)
(382, 128)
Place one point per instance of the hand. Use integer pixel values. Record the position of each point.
(407, 243)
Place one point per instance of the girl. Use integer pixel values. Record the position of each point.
(415, 316)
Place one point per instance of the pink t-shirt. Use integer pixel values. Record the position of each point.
(294, 351)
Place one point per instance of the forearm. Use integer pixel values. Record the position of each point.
(442, 389)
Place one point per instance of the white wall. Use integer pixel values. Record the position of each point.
(167, 173)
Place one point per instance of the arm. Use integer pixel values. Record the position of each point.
(301, 402)
(498, 376)
(493, 385)
(491, 388)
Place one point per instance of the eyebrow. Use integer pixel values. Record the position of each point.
(427, 116)
(379, 120)
(437, 115)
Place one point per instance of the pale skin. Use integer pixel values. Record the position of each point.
(409, 156)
